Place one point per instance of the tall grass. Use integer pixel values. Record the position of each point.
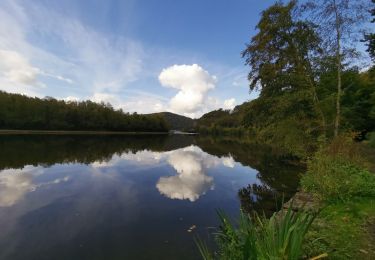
(336, 179)
(280, 237)
(338, 173)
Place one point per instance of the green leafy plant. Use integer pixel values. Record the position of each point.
(280, 237)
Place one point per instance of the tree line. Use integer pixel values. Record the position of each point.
(305, 65)
(27, 113)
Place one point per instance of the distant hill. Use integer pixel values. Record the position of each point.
(178, 122)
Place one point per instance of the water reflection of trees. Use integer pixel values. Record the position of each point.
(278, 176)
(259, 198)
(278, 173)
(20, 150)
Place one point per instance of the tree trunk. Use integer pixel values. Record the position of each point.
(338, 59)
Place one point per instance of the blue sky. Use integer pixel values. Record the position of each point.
(143, 56)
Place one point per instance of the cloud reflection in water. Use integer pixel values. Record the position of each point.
(15, 183)
(191, 180)
(190, 163)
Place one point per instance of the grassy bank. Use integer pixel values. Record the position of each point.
(340, 176)
(344, 231)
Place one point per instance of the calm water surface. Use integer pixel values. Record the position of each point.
(128, 197)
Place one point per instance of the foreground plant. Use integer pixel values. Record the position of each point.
(280, 237)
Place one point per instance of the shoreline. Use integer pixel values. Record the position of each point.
(73, 132)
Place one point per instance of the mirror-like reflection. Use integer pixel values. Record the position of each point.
(128, 197)
(191, 180)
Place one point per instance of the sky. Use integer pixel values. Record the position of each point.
(141, 56)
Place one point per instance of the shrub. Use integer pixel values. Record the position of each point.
(336, 178)
(280, 237)
(371, 139)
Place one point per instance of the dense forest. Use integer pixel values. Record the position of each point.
(27, 113)
(304, 63)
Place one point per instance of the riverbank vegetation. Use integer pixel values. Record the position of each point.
(340, 177)
(280, 237)
(317, 103)
(26, 113)
(309, 87)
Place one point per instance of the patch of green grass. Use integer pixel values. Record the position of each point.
(340, 176)
(335, 178)
(344, 231)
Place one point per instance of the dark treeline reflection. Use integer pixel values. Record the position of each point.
(279, 173)
(20, 150)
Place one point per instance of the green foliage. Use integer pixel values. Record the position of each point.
(219, 118)
(358, 101)
(370, 37)
(278, 54)
(177, 122)
(337, 173)
(22, 112)
(281, 58)
(371, 139)
(338, 176)
(280, 237)
(222, 131)
(297, 81)
(333, 179)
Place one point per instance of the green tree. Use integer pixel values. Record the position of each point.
(338, 21)
(370, 37)
(282, 58)
(22, 112)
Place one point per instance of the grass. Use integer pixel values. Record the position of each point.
(280, 237)
(337, 179)
(344, 231)
(340, 175)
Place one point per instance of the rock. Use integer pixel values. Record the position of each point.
(302, 201)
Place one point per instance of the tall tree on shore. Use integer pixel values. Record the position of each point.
(370, 37)
(281, 55)
(338, 22)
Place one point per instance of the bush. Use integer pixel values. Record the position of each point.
(280, 237)
(371, 139)
(336, 178)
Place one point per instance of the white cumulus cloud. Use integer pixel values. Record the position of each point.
(193, 83)
(106, 98)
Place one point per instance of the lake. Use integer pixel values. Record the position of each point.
(130, 197)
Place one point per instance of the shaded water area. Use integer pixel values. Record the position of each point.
(129, 197)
